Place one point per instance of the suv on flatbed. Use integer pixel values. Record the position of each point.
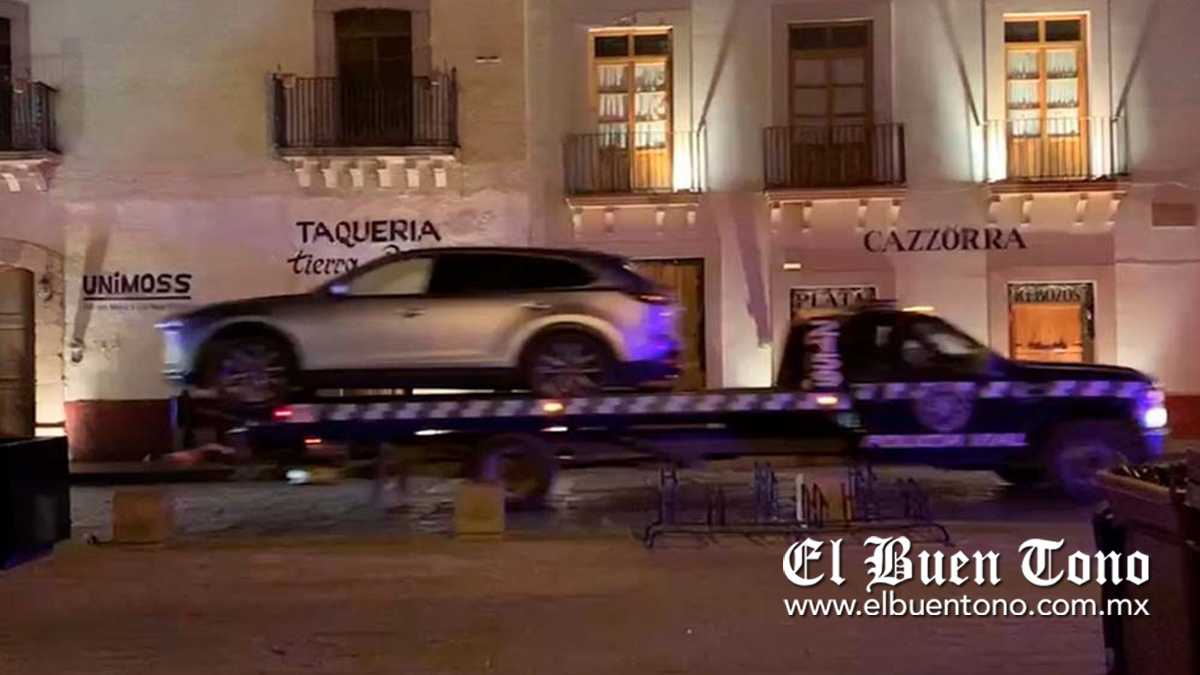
(559, 322)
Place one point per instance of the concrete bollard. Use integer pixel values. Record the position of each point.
(479, 510)
(143, 516)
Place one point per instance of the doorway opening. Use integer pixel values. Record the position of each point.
(17, 399)
(684, 278)
(1053, 322)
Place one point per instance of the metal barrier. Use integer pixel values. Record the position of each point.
(863, 510)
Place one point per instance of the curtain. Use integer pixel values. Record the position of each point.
(1047, 332)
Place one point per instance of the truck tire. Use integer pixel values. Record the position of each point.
(1075, 452)
(524, 462)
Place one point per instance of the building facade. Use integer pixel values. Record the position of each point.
(1024, 169)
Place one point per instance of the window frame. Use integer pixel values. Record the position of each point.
(828, 56)
(631, 60)
(1041, 46)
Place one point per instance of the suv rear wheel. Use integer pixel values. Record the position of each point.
(250, 374)
(567, 363)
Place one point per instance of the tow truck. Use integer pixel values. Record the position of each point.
(882, 384)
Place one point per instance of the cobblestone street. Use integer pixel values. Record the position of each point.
(272, 578)
(429, 605)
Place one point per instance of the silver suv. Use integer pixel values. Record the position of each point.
(558, 322)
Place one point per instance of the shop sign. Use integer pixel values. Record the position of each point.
(136, 290)
(831, 297)
(1076, 294)
(357, 242)
(944, 239)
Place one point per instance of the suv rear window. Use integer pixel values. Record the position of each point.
(470, 273)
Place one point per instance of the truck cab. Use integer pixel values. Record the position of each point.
(925, 391)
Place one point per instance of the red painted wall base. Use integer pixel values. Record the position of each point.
(118, 431)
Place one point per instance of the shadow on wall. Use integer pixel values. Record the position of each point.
(735, 213)
(974, 120)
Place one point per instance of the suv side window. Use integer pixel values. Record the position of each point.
(408, 276)
(477, 273)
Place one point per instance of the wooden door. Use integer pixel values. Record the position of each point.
(685, 279)
(631, 85)
(374, 51)
(16, 353)
(1047, 126)
(830, 104)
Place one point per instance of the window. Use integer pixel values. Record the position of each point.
(831, 75)
(6, 77)
(409, 276)
(631, 74)
(1052, 322)
(1046, 83)
(478, 273)
(830, 104)
(375, 75)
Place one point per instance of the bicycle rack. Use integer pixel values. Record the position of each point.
(863, 510)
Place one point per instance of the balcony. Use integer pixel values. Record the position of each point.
(822, 158)
(346, 132)
(326, 112)
(633, 163)
(1067, 151)
(28, 140)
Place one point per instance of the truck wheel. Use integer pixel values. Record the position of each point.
(525, 464)
(1021, 476)
(1076, 452)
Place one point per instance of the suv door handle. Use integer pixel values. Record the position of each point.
(410, 312)
(536, 306)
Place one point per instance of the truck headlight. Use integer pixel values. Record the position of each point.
(1153, 410)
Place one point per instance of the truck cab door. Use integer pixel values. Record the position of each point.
(937, 398)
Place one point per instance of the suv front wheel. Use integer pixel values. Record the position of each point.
(567, 363)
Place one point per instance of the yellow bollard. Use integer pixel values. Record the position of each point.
(479, 510)
(143, 516)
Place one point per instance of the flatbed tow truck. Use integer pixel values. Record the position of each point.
(884, 384)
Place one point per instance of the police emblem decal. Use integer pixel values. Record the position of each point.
(945, 407)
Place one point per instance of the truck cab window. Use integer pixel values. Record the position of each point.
(933, 345)
(865, 348)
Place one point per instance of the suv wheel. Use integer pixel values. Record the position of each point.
(250, 374)
(1080, 450)
(567, 364)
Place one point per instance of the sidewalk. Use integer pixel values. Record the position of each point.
(587, 605)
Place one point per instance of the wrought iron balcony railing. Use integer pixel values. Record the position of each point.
(840, 156)
(628, 162)
(27, 117)
(1063, 149)
(328, 112)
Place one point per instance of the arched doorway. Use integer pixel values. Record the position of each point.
(18, 411)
